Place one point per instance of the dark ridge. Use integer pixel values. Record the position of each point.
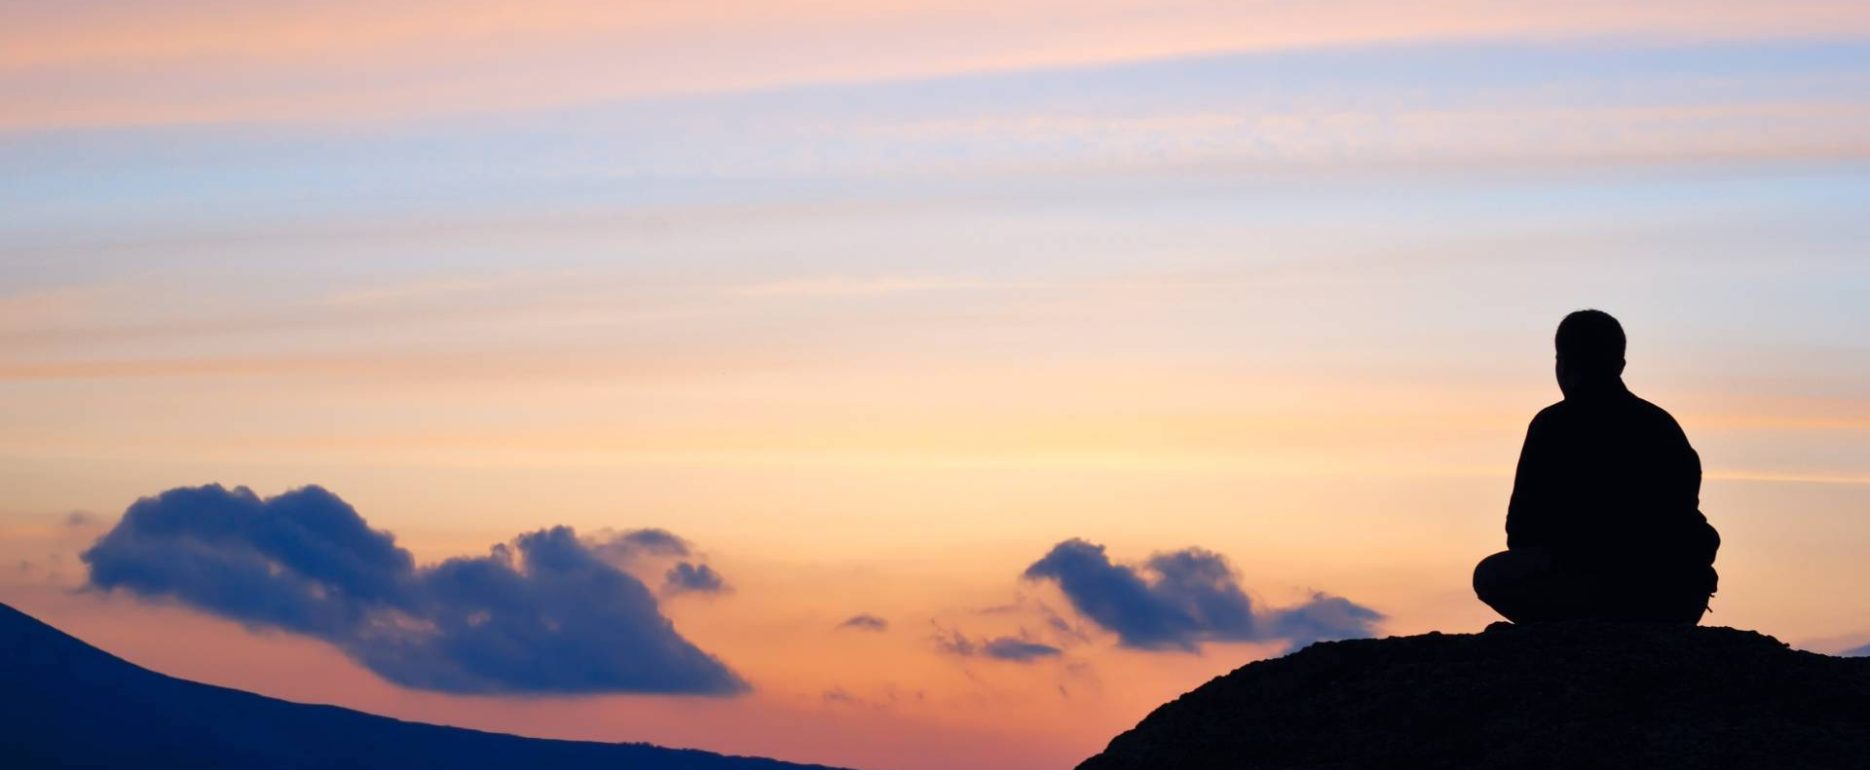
(64, 703)
(1574, 695)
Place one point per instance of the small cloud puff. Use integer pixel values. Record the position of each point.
(685, 577)
(545, 613)
(864, 622)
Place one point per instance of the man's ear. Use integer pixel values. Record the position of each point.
(1620, 365)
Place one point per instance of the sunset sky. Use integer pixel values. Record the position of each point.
(877, 306)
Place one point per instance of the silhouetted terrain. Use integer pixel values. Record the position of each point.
(1564, 696)
(64, 703)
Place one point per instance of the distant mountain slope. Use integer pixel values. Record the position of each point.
(64, 703)
(1561, 696)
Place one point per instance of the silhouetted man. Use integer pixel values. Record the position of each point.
(1604, 521)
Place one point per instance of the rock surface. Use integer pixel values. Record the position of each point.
(1561, 696)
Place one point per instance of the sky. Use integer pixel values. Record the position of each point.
(899, 385)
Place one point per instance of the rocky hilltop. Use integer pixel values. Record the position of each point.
(1583, 695)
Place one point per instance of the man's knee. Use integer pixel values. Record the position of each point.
(1520, 584)
(1502, 571)
(1487, 577)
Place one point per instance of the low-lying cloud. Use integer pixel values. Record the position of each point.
(1007, 648)
(1179, 599)
(547, 613)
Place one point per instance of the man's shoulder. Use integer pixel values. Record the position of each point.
(1651, 411)
(1556, 411)
(1548, 423)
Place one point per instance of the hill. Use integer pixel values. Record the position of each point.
(64, 703)
(1560, 696)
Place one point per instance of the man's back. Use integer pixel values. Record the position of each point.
(1609, 482)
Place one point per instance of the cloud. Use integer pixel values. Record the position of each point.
(658, 542)
(641, 551)
(883, 698)
(1857, 652)
(1179, 599)
(632, 547)
(1006, 648)
(546, 613)
(1322, 618)
(865, 621)
(686, 577)
(1143, 615)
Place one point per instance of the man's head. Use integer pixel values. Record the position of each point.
(1590, 350)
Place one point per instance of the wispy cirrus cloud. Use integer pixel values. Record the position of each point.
(1012, 649)
(198, 61)
(857, 287)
